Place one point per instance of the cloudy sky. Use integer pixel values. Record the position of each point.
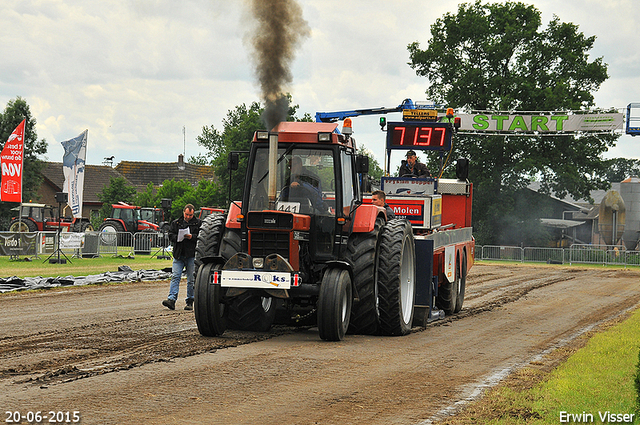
(136, 73)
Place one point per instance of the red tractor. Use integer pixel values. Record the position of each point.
(203, 212)
(42, 218)
(302, 245)
(155, 216)
(125, 219)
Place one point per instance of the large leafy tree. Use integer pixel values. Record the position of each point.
(236, 135)
(497, 57)
(618, 169)
(16, 111)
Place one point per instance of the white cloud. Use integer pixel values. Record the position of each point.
(136, 73)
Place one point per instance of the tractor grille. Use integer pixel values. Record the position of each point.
(269, 220)
(265, 243)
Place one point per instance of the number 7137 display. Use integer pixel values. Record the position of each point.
(424, 136)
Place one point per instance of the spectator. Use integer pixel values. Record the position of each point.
(183, 235)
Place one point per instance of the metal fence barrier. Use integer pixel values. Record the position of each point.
(87, 245)
(576, 253)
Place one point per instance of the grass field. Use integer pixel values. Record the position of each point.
(78, 266)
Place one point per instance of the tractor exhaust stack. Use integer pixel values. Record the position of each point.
(273, 165)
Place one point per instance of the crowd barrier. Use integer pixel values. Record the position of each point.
(575, 254)
(87, 244)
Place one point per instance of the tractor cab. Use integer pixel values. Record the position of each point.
(316, 189)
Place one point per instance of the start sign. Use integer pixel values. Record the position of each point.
(540, 123)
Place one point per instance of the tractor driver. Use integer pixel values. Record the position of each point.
(412, 167)
(301, 180)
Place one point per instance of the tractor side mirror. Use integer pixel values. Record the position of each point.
(462, 169)
(362, 164)
(233, 161)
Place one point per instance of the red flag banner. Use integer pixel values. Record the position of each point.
(11, 163)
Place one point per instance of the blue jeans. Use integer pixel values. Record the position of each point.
(180, 264)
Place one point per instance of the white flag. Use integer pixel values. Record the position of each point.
(75, 154)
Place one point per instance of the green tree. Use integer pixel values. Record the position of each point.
(236, 135)
(619, 169)
(497, 57)
(119, 190)
(374, 166)
(147, 198)
(16, 111)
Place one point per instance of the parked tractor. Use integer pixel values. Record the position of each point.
(204, 212)
(302, 246)
(155, 216)
(125, 221)
(43, 218)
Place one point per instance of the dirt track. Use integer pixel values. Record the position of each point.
(117, 356)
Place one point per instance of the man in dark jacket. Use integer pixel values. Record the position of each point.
(183, 235)
(412, 168)
(380, 199)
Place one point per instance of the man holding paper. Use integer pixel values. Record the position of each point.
(183, 235)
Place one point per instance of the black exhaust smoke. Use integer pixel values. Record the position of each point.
(279, 30)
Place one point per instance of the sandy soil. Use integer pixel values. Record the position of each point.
(115, 355)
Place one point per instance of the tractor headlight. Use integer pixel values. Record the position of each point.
(324, 137)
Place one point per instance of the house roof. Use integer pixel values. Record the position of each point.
(95, 179)
(141, 173)
(597, 195)
(560, 224)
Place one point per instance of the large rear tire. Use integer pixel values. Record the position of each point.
(208, 244)
(334, 304)
(24, 225)
(396, 277)
(209, 310)
(361, 252)
(112, 233)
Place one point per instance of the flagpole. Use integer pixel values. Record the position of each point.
(24, 137)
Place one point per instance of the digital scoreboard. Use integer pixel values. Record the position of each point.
(419, 135)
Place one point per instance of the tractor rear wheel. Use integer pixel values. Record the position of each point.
(361, 252)
(209, 310)
(208, 244)
(396, 277)
(112, 233)
(24, 225)
(334, 304)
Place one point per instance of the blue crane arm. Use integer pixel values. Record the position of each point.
(341, 115)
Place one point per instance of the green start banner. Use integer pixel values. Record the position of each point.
(544, 122)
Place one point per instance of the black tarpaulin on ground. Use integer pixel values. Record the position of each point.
(124, 274)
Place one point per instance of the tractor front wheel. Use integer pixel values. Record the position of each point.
(334, 304)
(209, 310)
